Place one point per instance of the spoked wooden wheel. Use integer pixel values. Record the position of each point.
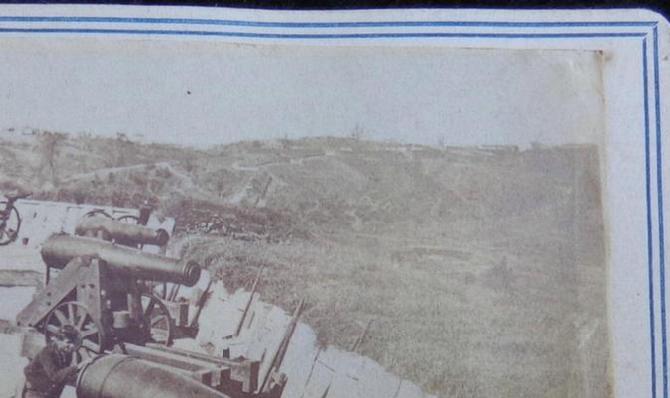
(76, 314)
(166, 290)
(129, 219)
(9, 224)
(97, 212)
(159, 323)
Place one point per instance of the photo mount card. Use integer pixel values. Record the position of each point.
(388, 203)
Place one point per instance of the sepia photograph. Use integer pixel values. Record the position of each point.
(195, 217)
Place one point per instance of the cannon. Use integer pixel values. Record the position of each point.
(101, 289)
(131, 231)
(122, 376)
(104, 286)
(60, 250)
(125, 233)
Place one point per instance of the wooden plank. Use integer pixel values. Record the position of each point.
(263, 339)
(344, 386)
(227, 363)
(409, 390)
(240, 370)
(48, 298)
(279, 353)
(204, 376)
(219, 317)
(375, 381)
(319, 383)
(299, 360)
(171, 359)
(247, 375)
(346, 368)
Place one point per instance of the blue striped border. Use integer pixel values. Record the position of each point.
(300, 36)
(659, 187)
(229, 22)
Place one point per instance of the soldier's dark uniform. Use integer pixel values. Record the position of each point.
(47, 374)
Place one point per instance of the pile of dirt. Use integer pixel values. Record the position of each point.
(249, 224)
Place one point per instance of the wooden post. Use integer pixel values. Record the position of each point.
(200, 304)
(278, 356)
(360, 338)
(248, 305)
(174, 292)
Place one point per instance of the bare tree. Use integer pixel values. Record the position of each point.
(358, 132)
(48, 148)
(122, 149)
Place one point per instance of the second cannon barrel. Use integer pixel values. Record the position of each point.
(124, 233)
(59, 250)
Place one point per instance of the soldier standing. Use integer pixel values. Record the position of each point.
(47, 374)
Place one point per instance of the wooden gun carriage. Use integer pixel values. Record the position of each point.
(105, 287)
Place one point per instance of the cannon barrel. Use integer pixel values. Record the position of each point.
(59, 250)
(122, 376)
(121, 232)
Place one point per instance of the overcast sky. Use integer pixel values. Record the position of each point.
(213, 93)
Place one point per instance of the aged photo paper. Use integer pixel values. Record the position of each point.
(202, 202)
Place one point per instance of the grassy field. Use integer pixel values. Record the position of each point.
(481, 269)
(503, 315)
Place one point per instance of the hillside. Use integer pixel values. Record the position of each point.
(481, 268)
(325, 182)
